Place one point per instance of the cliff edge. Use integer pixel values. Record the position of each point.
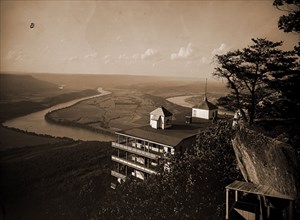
(267, 161)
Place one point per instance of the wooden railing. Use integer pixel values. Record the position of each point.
(133, 165)
(118, 175)
(135, 151)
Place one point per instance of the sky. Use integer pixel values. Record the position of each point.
(169, 38)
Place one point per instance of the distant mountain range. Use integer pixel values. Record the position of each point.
(15, 85)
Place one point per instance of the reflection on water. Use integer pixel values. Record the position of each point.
(35, 122)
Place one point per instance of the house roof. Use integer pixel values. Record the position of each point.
(169, 137)
(206, 105)
(258, 190)
(161, 111)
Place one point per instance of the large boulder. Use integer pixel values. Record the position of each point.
(267, 161)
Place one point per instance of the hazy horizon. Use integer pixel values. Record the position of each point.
(189, 77)
(167, 38)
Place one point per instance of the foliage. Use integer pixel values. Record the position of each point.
(61, 180)
(258, 76)
(192, 189)
(291, 21)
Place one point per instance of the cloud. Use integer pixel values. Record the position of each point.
(221, 50)
(72, 58)
(107, 59)
(124, 57)
(183, 53)
(205, 60)
(107, 56)
(15, 55)
(91, 55)
(135, 56)
(119, 38)
(150, 53)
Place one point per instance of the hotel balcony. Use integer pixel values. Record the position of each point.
(117, 175)
(138, 150)
(131, 164)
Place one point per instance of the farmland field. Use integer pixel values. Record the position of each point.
(129, 106)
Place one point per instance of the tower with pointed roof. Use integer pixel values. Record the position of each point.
(206, 109)
(161, 118)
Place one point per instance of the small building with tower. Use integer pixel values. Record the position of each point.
(205, 110)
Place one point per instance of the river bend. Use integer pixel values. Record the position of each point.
(36, 123)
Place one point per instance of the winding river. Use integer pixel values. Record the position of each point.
(181, 100)
(35, 122)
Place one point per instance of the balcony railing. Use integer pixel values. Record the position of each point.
(135, 151)
(118, 175)
(133, 165)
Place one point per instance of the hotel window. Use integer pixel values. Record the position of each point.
(194, 112)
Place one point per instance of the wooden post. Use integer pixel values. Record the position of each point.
(291, 210)
(227, 201)
(236, 195)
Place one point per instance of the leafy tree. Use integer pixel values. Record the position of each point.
(256, 75)
(291, 21)
(192, 189)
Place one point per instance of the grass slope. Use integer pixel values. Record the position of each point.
(63, 180)
(13, 138)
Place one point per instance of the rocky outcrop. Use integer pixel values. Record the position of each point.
(266, 161)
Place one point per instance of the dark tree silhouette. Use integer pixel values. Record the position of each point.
(256, 75)
(291, 21)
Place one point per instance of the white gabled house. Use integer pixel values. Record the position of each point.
(205, 110)
(161, 118)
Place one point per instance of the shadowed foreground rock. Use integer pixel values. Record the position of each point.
(266, 161)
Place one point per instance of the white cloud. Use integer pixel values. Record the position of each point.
(119, 39)
(135, 56)
(15, 55)
(91, 55)
(124, 57)
(107, 59)
(183, 53)
(150, 53)
(221, 50)
(72, 58)
(205, 60)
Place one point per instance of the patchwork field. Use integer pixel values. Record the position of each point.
(120, 110)
(130, 106)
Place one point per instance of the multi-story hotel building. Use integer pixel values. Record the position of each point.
(138, 151)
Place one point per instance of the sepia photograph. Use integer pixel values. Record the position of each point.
(149, 109)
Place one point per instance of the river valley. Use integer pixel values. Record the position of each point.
(36, 123)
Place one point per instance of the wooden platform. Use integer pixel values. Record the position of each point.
(258, 190)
